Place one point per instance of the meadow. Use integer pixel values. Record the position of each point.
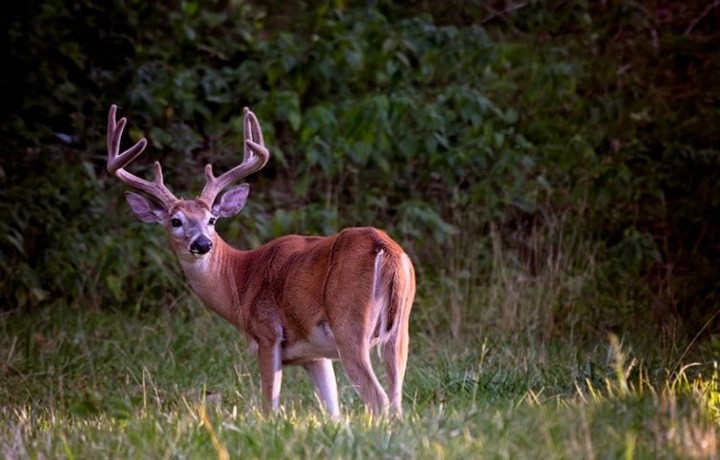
(550, 167)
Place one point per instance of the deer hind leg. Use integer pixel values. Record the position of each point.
(355, 356)
(350, 299)
(323, 377)
(395, 354)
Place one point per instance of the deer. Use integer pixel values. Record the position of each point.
(298, 300)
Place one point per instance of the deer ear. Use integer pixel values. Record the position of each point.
(144, 209)
(231, 202)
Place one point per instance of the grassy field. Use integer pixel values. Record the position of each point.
(179, 383)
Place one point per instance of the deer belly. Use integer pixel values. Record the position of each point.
(318, 344)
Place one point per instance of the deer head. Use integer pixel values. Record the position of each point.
(189, 223)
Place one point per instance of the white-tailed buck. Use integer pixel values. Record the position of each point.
(300, 300)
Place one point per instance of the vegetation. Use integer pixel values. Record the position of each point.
(551, 167)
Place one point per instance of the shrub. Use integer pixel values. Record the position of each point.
(475, 125)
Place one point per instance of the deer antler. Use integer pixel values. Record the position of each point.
(116, 162)
(255, 155)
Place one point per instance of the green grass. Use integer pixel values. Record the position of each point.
(180, 383)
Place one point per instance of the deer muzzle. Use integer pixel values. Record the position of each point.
(202, 245)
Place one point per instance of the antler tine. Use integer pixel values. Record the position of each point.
(254, 141)
(115, 129)
(255, 156)
(116, 161)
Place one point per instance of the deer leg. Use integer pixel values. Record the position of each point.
(323, 377)
(355, 357)
(395, 355)
(270, 363)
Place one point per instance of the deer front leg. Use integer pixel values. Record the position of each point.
(270, 364)
(322, 375)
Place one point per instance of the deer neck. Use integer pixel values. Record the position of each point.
(208, 278)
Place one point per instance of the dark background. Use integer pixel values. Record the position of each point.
(469, 130)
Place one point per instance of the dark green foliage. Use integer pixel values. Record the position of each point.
(441, 123)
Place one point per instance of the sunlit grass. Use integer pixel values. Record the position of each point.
(80, 384)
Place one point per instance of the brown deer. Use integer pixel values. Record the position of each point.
(299, 300)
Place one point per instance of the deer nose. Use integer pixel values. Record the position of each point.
(201, 245)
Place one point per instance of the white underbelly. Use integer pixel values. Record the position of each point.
(319, 344)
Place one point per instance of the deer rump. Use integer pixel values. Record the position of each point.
(311, 292)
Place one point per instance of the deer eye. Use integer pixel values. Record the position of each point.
(212, 221)
(175, 222)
